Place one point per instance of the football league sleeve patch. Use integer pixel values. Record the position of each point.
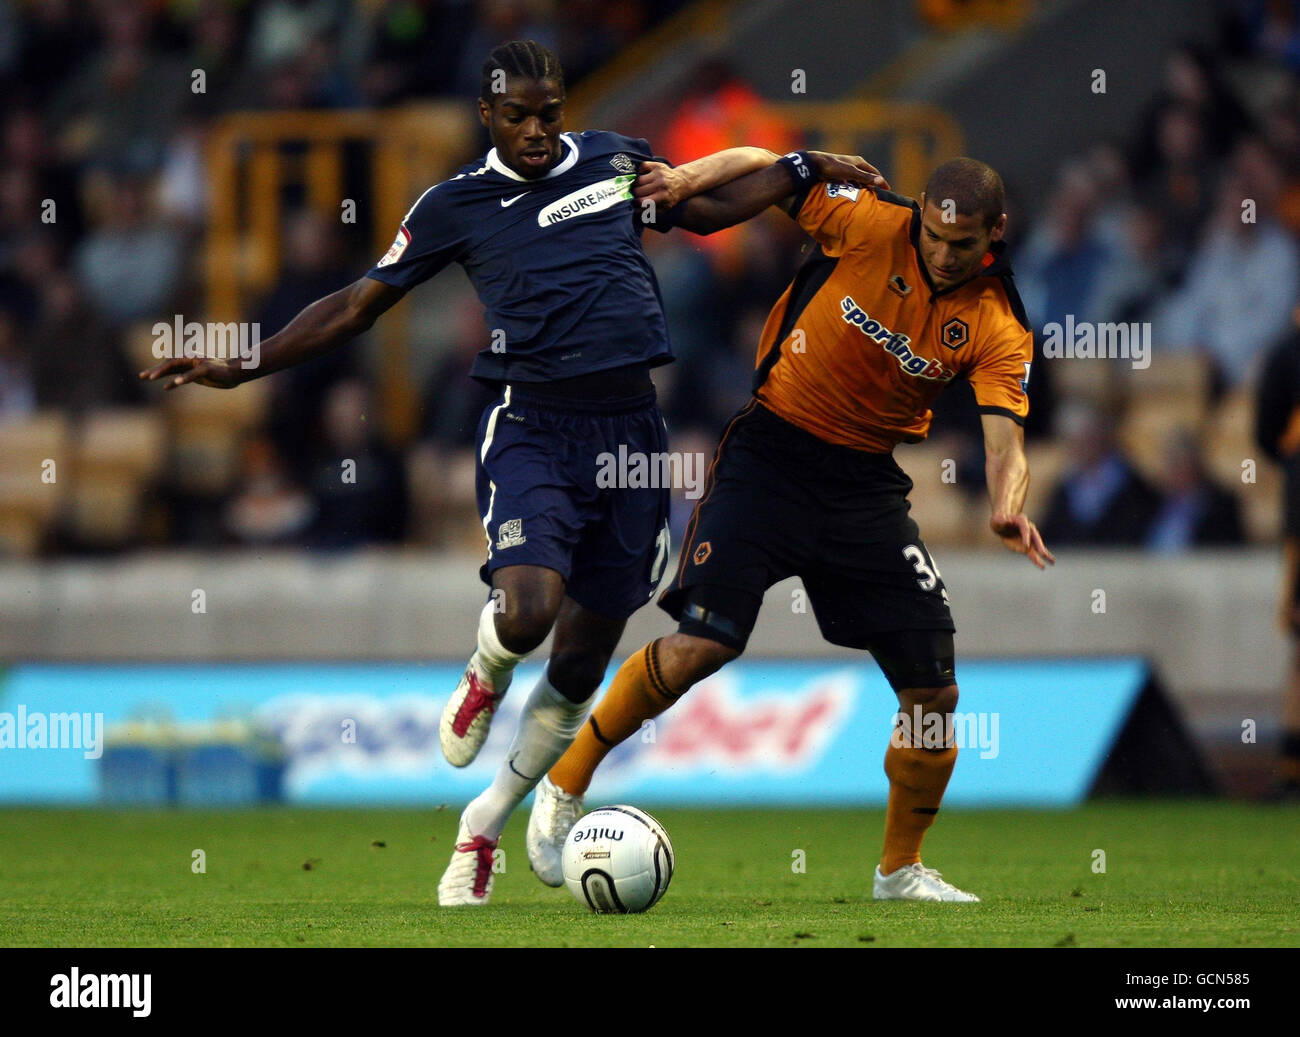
(428, 239)
(835, 215)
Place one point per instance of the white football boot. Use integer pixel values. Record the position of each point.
(554, 813)
(917, 882)
(467, 716)
(467, 882)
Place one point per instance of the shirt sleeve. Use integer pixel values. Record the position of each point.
(835, 215)
(429, 238)
(1000, 375)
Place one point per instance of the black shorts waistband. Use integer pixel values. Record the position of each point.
(617, 383)
(524, 396)
(804, 443)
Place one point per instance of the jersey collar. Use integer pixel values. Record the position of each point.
(563, 166)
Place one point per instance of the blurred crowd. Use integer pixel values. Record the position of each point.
(1189, 228)
(103, 196)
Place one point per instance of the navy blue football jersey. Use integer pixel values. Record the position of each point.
(557, 262)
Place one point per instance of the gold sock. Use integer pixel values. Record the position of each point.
(636, 694)
(917, 779)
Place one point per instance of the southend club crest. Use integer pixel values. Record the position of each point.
(622, 163)
(511, 534)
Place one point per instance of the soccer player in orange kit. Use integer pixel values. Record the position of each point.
(897, 300)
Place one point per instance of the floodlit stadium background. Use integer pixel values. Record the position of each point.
(228, 161)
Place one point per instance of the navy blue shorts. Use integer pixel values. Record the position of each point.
(551, 492)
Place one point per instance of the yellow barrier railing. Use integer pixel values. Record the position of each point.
(249, 168)
(964, 14)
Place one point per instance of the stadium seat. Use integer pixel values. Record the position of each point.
(20, 532)
(28, 502)
(444, 508)
(1149, 422)
(30, 441)
(115, 455)
(945, 512)
(127, 441)
(207, 427)
(1231, 455)
(104, 510)
(1261, 504)
(1229, 439)
(1086, 380)
(1184, 375)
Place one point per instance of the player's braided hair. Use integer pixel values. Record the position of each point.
(523, 58)
(975, 189)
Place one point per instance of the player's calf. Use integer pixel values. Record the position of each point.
(646, 685)
(525, 602)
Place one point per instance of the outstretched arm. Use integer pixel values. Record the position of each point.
(324, 325)
(737, 199)
(1007, 473)
(670, 185)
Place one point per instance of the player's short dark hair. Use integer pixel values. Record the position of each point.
(523, 58)
(974, 187)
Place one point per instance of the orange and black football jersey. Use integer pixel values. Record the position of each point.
(860, 344)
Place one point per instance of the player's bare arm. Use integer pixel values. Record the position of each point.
(1007, 472)
(669, 185)
(748, 195)
(325, 325)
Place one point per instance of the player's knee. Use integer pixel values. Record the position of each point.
(930, 700)
(527, 600)
(577, 673)
(524, 623)
(687, 659)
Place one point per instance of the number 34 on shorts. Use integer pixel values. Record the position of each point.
(927, 572)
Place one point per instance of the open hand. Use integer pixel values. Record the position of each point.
(182, 370)
(846, 169)
(661, 184)
(1020, 535)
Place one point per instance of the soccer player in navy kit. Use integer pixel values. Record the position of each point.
(547, 226)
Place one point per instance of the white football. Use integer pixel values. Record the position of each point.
(618, 860)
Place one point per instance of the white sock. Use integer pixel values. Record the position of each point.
(492, 659)
(547, 726)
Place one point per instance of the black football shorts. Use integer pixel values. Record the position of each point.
(780, 502)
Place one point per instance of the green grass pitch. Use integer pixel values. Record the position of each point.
(1176, 874)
